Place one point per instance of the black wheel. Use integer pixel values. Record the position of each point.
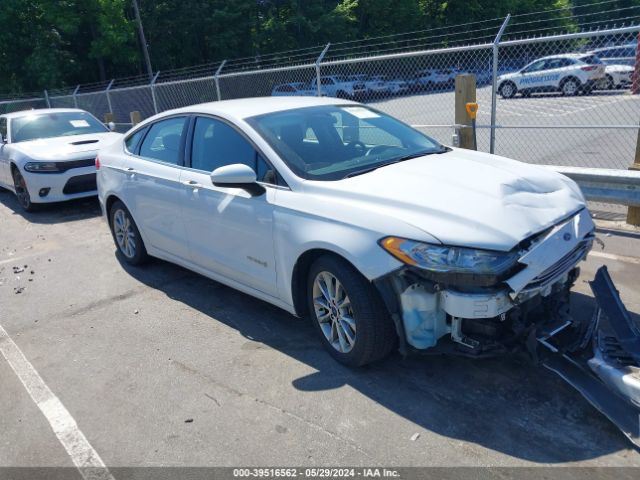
(22, 193)
(609, 84)
(508, 90)
(349, 315)
(570, 87)
(126, 235)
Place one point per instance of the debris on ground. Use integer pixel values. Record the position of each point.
(135, 312)
(415, 437)
(18, 290)
(189, 420)
(18, 269)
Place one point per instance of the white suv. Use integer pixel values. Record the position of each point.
(336, 211)
(569, 74)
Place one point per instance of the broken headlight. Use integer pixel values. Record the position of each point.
(446, 259)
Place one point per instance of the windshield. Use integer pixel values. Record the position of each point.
(46, 125)
(333, 142)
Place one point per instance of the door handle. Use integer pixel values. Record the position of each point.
(191, 183)
(131, 170)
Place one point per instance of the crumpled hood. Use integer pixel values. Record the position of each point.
(66, 148)
(466, 198)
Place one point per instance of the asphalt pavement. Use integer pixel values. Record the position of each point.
(158, 366)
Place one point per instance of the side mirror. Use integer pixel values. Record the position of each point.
(112, 126)
(237, 175)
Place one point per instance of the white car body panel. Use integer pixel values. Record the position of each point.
(58, 149)
(621, 75)
(461, 198)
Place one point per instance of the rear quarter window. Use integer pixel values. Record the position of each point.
(132, 141)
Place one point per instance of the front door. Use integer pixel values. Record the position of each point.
(230, 231)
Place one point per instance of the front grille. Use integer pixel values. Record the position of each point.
(561, 267)
(87, 162)
(80, 184)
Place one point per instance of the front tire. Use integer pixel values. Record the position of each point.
(348, 314)
(126, 235)
(508, 90)
(22, 193)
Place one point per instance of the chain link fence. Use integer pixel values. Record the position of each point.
(558, 100)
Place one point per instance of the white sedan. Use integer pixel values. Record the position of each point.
(616, 76)
(336, 211)
(49, 155)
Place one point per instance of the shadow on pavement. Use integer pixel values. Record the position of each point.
(503, 404)
(50, 213)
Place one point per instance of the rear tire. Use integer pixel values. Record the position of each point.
(609, 84)
(348, 313)
(22, 193)
(126, 235)
(570, 87)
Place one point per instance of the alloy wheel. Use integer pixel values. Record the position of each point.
(333, 312)
(124, 233)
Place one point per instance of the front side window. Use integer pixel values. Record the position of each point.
(163, 140)
(535, 66)
(331, 142)
(34, 125)
(216, 144)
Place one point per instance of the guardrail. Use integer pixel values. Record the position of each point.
(621, 187)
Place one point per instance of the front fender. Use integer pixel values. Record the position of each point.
(297, 233)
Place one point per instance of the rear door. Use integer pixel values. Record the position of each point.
(152, 186)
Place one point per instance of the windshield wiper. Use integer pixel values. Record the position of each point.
(395, 160)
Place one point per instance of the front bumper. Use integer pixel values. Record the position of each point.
(425, 311)
(73, 183)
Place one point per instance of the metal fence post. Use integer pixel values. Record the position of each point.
(109, 96)
(46, 99)
(320, 58)
(75, 98)
(216, 77)
(494, 84)
(153, 92)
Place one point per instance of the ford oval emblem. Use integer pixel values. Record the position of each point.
(567, 237)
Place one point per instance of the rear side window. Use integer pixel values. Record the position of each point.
(591, 60)
(133, 140)
(163, 140)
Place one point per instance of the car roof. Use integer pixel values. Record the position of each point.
(40, 111)
(248, 107)
(563, 55)
(626, 45)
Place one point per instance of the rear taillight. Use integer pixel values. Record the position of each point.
(588, 68)
(97, 163)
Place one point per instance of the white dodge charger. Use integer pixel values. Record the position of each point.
(49, 155)
(337, 211)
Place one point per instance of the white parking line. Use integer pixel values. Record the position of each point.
(82, 454)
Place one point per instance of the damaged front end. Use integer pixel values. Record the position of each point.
(527, 312)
